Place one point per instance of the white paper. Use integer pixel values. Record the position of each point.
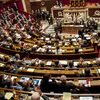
(30, 70)
(76, 63)
(49, 63)
(1, 64)
(63, 62)
(86, 98)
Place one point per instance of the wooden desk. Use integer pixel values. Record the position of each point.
(65, 56)
(39, 72)
(71, 29)
(52, 56)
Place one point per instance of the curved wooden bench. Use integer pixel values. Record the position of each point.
(51, 56)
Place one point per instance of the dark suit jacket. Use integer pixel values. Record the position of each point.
(48, 86)
(67, 87)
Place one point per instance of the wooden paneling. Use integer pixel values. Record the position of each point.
(38, 5)
(28, 5)
(94, 12)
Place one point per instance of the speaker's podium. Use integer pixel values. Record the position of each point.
(71, 16)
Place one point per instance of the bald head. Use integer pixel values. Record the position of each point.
(63, 78)
(35, 96)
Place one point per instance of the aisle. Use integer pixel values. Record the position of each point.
(50, 29)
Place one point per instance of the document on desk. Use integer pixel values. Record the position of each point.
(88, 62)
(98, 70)
(86, 98)
(73, 39)
(63, 62)
(1, 55)
(49, 63)
(8, 95)
(88, 38)
(66, 96)
(47, 39)
(13, 77)
(1, 64)
(30, 70)
(76, 63)
(80, 50)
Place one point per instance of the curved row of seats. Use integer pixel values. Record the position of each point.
(13, 40)
(24, 67)
(22, 43)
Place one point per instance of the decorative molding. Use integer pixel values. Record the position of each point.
(97, 13)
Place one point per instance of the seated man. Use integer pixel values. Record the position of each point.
(70, 64)
(64, 86)
(87, 72)
(76, 50)
(97, 61)
(35, 96)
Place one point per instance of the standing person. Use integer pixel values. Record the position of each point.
(50, 20)
(47, 85)
(55, 27)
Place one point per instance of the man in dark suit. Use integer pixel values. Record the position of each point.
(65, 86)
(47, 85)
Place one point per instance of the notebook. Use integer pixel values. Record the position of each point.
(63, 62)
